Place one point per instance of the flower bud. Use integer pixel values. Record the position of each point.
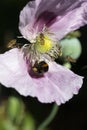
(71, 47)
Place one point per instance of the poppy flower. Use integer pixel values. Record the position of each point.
(32, 69)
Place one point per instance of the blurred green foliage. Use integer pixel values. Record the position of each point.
(13, 116)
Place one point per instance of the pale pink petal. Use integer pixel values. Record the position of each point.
(57, 85)
(71, 20)
(60, 16)
(27, 18)
(13, 72)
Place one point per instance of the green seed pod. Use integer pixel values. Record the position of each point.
(28, 123)
(71, 47)
(73, 34)
(67, 65)
(15, 109)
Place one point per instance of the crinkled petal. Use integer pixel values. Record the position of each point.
(27, 18)
(66, 83)
(58, 84)
(74, 18)
(60, 16)
(32, 13)
(13, 72)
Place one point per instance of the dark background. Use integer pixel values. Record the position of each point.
(73, 114)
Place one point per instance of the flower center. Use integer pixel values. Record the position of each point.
(44, 49)
(43, 43)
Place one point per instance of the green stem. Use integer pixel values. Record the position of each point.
(48, 120)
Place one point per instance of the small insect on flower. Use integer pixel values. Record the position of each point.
(12, 44)
(41, 38)
(17, 43)
(40, 68)
(43, 24)
(70, 59)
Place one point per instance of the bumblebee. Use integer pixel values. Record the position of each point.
(40, 68)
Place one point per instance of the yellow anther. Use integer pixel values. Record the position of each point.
(43, 43)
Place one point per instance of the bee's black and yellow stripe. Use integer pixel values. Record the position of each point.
(40, 67)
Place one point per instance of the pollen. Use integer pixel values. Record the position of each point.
(43, 43)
